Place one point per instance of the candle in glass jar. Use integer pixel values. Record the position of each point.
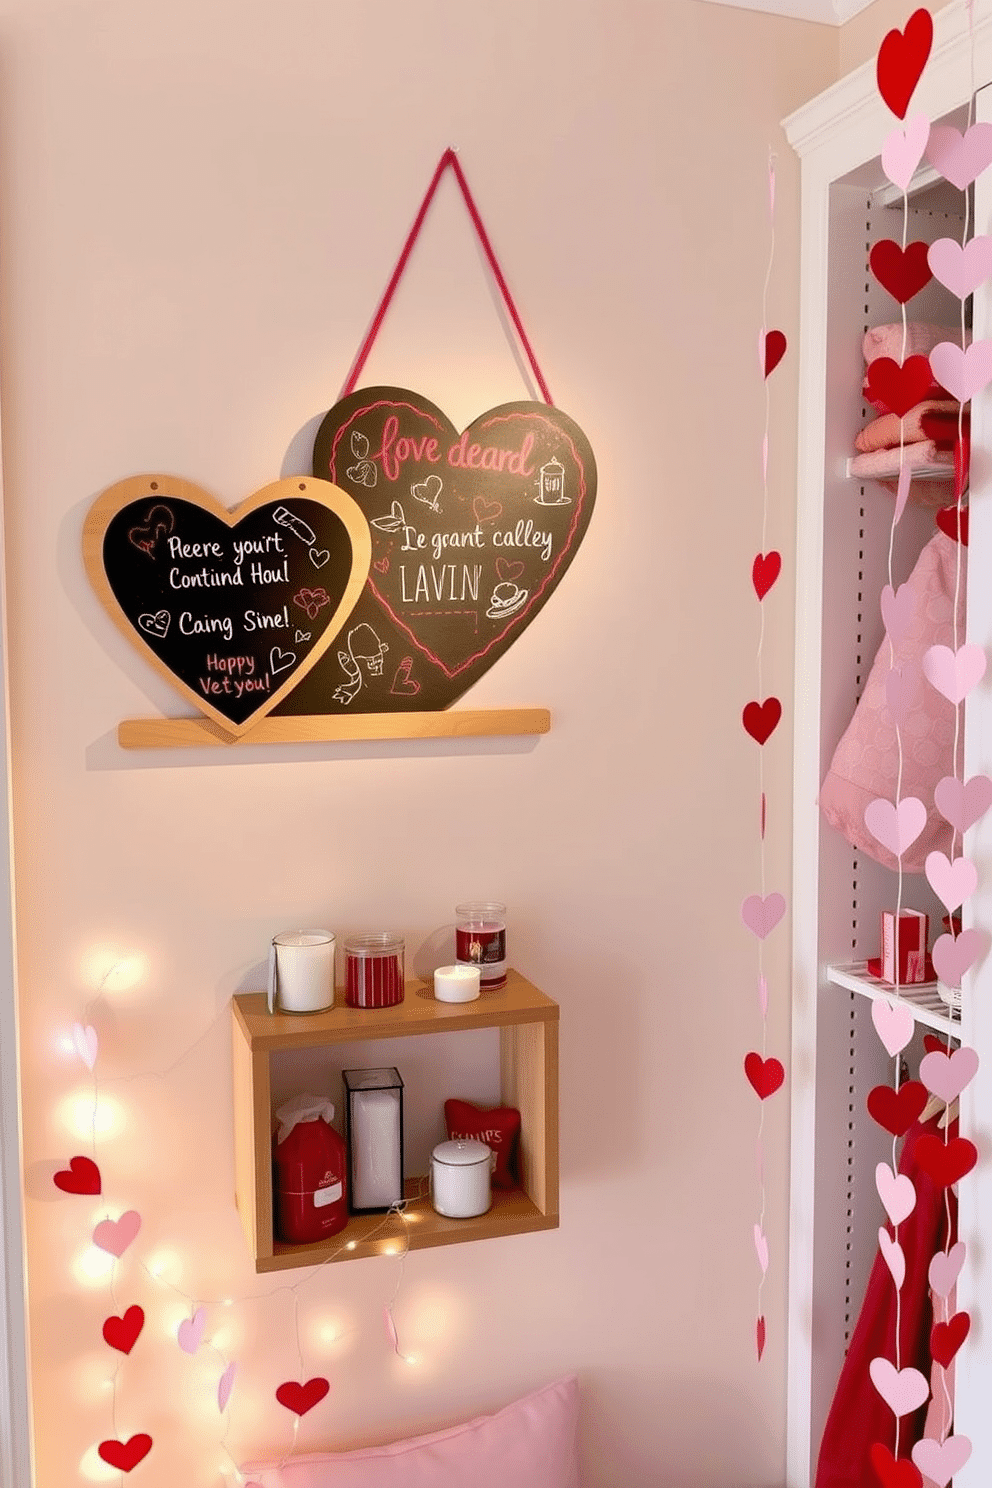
(480, 940)
(301, 971)
(373, 970)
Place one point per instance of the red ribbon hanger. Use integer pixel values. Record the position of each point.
(449, 158)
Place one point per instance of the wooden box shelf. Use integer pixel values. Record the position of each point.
(528, 1038)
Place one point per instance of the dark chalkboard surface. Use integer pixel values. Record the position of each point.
(471, 533)
(233, 606)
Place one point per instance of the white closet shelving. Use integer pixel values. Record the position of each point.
(841, 566)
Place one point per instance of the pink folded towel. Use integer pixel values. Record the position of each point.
(883, 464)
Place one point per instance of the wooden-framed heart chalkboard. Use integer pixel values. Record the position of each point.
(471, 533)
(234, 607)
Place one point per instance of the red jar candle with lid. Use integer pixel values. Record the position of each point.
(373, 970)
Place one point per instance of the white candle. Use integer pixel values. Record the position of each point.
(301, 971)
(376, 1162)
(457, 983)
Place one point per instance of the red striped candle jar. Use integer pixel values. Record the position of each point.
(373, 970)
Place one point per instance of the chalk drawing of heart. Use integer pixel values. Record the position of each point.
(903, 1390)
(761, 915)
(190, 1331)
(86, 1043)
(427, 490)
(508, 571)
(402, 681)
(940, 1461)
(961, 269)
(954, 955)
(206, 592)
(963, 803)
(947, 1075)
(954, 673)
(960, 157)
(896, 1192)
(82, 1176)
(903, 150)
(962, 373)
(115, 1235)
(893, 1023)
(945, 1268)
(892, 1254)
(951, 882)
(896, 827)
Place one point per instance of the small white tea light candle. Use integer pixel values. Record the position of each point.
(457, 983)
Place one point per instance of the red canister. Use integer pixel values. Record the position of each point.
(310, 1162)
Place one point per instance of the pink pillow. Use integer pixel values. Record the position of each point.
(529, 1444)
(865, 762)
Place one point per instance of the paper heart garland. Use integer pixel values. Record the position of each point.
(761, 915)
(772, 351)
(765, 1075)
(939, 1461)
(945, 1268)
(190, 1331)
(948, 521)
(952, 882)
(903, 1390)
(518, 484)
(897, 610)
(903, 150)
(954, 673)
(961, 269)
(760, 720)
(86, 1043)
(899, 388)
(893, 1472)
(300, 1398)
(894, 1257)
(901, 59)
(122, 1333)
(945, 1161)
(896, 827)
(947, 1338)
(954, 955)
(759, 1336)
(897, 1193)
(947, 1075)
(901, 271)
(761, 1248)
(962, 372)
(126, 1455)
(81, 1177)
(893, 1023)
(212, 597)
(764, 571)
(224, 1387)
(896, 1110)
(960, 157)
(115, 1235)
(963, 803)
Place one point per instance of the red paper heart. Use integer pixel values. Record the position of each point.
(301, 1398)
(764, 571)
(775, 344)
(892, 1473)
(902, 271)
(932, 1042)
(946, 1162)
(760, 720)
(125, 1455)
(765, 1075)
(901, 59)
(896, 1110)
(82, 1176)
(947, 1338)
(122, 1332)
(947, 521)
(497, 1126)
(899, 388)
(759, 1336)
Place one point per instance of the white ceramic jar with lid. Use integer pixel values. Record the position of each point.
(460, 1178)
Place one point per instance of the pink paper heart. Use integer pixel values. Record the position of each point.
(115, 1235)
(945, 1268)
(954, 955)
(893, 1023)
(897, 610)
(903, 1390)
(762, 915)
(939, 1461)
(902, 490)
(224, 1387)
(960, 158)
(947, 1075)
(892, 1254)
(86, 1043)
(761, 1248)
(954, 673)
(962, 804)
(962, 373)
(951, 882)
(899, 689)
(903, 150)
(961, 269)
(896, 1192)
(896, 827)
(190, 1331)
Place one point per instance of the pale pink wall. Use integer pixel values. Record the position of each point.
(201, 202)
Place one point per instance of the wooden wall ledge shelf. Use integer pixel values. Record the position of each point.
(528, 1026)
(198, 733)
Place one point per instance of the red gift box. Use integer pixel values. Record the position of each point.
(911, 945)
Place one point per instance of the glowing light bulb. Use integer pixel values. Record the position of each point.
(93, 1266)
(350, 1245)
(83, 1117)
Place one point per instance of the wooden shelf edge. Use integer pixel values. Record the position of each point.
(198, 733)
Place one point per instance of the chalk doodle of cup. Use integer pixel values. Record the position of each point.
(363, 472)
(395, 520)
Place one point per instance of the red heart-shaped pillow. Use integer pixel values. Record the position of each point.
(497, 1126)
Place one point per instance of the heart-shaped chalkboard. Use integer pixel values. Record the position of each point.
(234, 607)
(471, 534)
